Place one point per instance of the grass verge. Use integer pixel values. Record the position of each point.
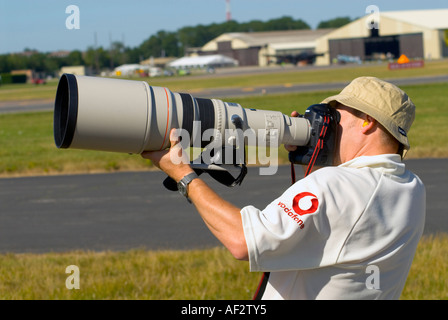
(183, 275)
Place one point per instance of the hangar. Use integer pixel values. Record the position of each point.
(262, 48)
(419, 34)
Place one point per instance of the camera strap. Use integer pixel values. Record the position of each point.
(319, 146)
(226, 178)
(220, 173)
(216, 168)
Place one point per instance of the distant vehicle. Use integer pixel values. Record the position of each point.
(155, 72)
(343, 59)
(303, 57)
(38, 81)
(183, 72)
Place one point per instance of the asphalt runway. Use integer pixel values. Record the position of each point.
(122, 211)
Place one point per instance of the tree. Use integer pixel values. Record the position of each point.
(97, 58)
(163, 43)
(201, 34)
(285, 23)
(334, 23)
(75, 58)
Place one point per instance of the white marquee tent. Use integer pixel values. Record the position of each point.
(215, 60)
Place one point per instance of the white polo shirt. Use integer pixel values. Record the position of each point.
(346, 232)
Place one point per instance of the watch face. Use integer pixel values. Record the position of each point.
(182, 188)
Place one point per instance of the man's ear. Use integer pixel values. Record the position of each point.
(368, 124)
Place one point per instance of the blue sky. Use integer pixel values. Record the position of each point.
(41, 24)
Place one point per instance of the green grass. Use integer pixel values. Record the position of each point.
(27, 146)
(134, 274)
(300, 76)
(428, 277)
(191, 275)
(289, 76)
(28, 149)
(13, 92)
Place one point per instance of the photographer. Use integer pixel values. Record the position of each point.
(318, 239)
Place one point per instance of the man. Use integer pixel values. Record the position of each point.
(348, 231)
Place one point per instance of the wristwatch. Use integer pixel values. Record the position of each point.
(182, 185)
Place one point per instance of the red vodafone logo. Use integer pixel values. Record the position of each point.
(305, 203)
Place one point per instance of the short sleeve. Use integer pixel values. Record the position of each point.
(308, 224)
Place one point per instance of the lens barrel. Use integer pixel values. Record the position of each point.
(130, 116)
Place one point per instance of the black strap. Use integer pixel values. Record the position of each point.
(262, 286)
(223, 177)
(226, 178)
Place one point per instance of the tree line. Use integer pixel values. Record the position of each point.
(162, 44)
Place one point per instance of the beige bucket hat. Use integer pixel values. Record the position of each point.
(385, 102)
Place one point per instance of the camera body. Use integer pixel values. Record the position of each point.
(324, 121)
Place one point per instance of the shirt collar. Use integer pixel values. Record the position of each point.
(386, 163)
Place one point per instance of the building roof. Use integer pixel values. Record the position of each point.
(255, 39)
(432, 19)
(158, 61)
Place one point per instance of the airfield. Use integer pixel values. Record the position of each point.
(125, 210)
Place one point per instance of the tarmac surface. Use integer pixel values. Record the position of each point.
(122, 211)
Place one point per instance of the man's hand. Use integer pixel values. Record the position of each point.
(174, 162)
(222, 218)
(288, 147)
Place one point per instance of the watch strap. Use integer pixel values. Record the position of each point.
(185, 181)
(189, 177)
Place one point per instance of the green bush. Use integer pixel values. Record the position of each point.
(6, 78)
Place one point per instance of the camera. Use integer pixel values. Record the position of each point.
(131, 116)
